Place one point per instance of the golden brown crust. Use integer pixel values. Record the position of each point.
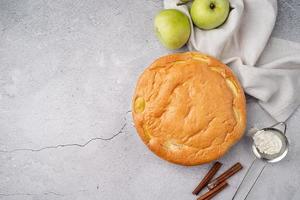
(189, 108)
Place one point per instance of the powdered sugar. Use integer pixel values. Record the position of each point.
(267, 142)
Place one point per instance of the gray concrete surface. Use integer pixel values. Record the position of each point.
(288, 20)
(67, 73)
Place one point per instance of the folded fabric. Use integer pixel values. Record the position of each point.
(240, 42)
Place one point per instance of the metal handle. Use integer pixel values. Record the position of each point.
(253, 173)
(280, 123)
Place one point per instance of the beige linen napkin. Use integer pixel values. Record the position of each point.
(240, 42)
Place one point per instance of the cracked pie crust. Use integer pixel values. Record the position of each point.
(189, 108)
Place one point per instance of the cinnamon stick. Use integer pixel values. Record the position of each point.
(213, 170)
(214, 191)
(223, 177)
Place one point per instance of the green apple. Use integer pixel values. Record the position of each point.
(209, 14)
(172, 28)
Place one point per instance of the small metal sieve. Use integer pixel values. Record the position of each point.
(258, 165)
(285, 144)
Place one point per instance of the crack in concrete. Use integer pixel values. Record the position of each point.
(72, 144)
(30, 194)
(39, 194)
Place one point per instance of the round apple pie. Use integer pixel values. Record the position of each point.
(189, 108)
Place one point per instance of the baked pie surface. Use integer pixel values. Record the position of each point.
(189, 108)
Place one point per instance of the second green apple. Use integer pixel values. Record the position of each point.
(209, 14)
(172, 28)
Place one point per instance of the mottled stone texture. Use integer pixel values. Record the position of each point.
(288, 20)
(67, 73)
